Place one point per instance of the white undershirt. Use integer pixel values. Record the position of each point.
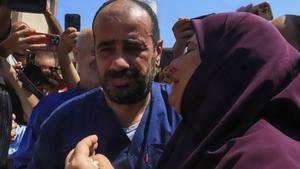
(130, 131)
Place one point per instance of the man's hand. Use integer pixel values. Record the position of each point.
(23, 41)
(183, 30)
(67, 41)
(83, 156)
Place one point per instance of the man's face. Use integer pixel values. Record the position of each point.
(125, 53)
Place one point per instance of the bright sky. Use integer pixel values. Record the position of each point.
(170, 10)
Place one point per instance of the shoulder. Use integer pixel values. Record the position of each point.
(161, 88)
(49, 103)
(160, 94)
(264, 146)
(268, 138)
(68, 123)
(160, 103)
(76, 107)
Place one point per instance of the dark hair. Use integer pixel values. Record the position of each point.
(295, 20)
(5, 125)
(147, 8)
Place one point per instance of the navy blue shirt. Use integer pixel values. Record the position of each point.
(39, 114)
(89, 114)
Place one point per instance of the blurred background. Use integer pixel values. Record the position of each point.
(170, 10)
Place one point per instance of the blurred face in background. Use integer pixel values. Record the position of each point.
(84, 54)
(47, 63)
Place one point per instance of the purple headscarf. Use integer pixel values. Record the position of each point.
(241, 106)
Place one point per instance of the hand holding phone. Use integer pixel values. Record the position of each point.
(68, 41)
(51, 41)
(72, 20)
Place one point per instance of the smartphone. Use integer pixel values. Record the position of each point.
(72, 20)
(32, 6)
(51, 41)
(264, 10)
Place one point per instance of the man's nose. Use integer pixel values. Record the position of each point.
(119, 63)
(173, 66)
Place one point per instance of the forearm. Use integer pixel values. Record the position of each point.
(68, 70)
(27, 99)
(53, 23)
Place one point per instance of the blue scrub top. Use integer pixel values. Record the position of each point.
(89, 114)
(39, 114)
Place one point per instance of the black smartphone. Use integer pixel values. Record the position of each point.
(72, 20)
(32, 6)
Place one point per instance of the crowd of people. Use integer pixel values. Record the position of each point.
(229, 97)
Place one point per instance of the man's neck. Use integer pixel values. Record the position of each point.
(129, 114)
(87, 85)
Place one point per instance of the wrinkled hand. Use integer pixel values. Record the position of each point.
(183, 30)
(23, 41)
(67, 41)
(83, 156)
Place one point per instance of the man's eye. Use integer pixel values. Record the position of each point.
(135, 47)
(134, 50)
(106, 49)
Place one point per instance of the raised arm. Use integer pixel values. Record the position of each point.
(67, 43)
(27, 99)
(53, 23)
(182, 30)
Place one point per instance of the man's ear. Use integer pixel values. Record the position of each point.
(158, 52)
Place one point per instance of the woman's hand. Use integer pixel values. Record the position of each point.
(183, 30)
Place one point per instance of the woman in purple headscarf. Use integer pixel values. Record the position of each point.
(238, 90)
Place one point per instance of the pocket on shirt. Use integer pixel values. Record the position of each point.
(154, 153)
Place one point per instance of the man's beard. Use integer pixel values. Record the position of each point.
(135, 91)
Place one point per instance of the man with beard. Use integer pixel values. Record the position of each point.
(132, 116)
